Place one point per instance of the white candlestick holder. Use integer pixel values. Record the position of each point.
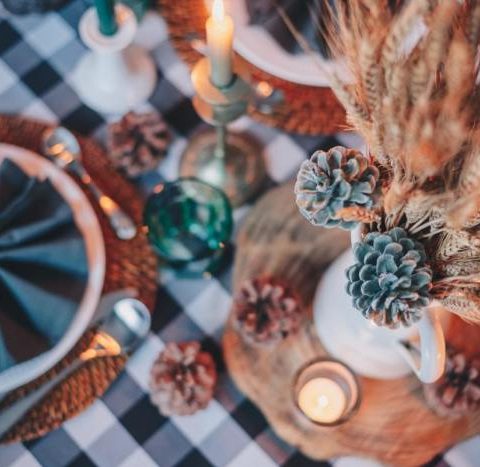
(116, 75)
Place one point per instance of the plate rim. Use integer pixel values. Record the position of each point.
(89, 227)
(303, 69)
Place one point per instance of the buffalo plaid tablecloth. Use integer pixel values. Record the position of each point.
(37, 55)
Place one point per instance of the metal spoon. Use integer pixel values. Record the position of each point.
(62, 147)
(123, 329)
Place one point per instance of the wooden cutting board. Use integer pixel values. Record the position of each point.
(393, 424)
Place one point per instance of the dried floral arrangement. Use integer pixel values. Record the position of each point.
(414, 97)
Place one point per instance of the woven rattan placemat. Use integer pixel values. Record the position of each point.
(307, 110)
(130, 264)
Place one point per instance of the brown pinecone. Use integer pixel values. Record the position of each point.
(137, 142)
(457, 392)
(182, 379)
(266, 311)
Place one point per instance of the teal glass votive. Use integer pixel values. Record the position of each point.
(189, 225)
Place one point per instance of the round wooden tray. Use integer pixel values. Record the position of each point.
(307, 110)
(393, 424)
(130, 264)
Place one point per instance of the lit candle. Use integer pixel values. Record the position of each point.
(322, 400)
(106, 17)
(220, 39)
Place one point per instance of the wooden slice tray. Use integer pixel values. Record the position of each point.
(393, 424)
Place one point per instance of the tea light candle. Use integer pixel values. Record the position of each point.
(322, 400)
(220, 45)
(326, 392)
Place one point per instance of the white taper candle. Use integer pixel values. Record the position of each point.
(220, 30)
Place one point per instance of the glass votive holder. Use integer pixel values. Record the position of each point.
(326, 392)
(189, 224)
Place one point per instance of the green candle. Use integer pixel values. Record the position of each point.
(106, 16)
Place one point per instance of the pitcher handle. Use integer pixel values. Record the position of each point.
(428, 362)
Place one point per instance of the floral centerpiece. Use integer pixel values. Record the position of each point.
(413, 95)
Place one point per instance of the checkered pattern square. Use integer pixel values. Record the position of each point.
(123, 429)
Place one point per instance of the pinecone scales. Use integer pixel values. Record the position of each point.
(266, 311)
(457, 392)
(331, 181)
(182, 379)
(390, 281)
(137, 142)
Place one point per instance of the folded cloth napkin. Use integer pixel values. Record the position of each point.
(307, 17)
(43, 266)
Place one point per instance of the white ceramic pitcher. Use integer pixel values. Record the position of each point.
(370, 350)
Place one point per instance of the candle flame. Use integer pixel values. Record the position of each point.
(218, 10)
(264, 89)
(322, 401)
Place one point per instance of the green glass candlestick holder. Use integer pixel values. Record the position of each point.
(189, 224)
(232, 162)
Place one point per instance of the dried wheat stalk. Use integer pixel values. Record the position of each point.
(413, 103)
(415, 99)
(358, 214)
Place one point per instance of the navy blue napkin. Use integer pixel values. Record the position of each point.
(43, 266)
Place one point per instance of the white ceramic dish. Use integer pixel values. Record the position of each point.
(87, 223)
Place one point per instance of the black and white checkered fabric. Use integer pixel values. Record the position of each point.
(122, 429)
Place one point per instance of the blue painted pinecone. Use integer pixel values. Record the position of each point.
(333, 180)
(390, 281)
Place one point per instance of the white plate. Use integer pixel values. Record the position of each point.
(87, 223)
(255, 44)
(258, 47)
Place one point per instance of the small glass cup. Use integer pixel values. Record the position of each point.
(189, 223)
(326, 392)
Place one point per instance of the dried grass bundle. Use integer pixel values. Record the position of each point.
(415, 98)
